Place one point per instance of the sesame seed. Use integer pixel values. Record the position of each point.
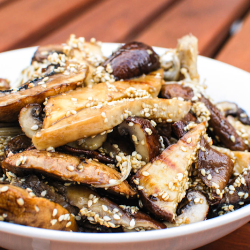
(73, 99)
(68, 224)
(132, 223)
(232, 138)
(90, 202)
(197, 200)
(183, 149)
(134, 138)
(203, 172)
(53, 222)
(145, 173)
(54, 212)
(169, 120)
(112, 181)
(246, 195)
(106, 218)
(78, 217)
(43, 193)
(18, 162)
(61, 218)
(179, 176)
(140, 187)
(241, 194)
(116, 217)
(34, 127)
(70, 168)
(148, 131)
(20, 201)
(131, 124)
(189, 140)
(136, 181)
(103, 114)
(105, 208)
(37, 208)
(209, 177)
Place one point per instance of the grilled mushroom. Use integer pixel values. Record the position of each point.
(162, 183)
(131, 60)
(105, 212)
(30, 119)
(4, 84)
(67, 167)
(96, 120)
(12, 101)
(143, 135)
(18, 206)
(214, 168)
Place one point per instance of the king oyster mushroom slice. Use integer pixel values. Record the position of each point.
(70, 168)
(162, 183)
(131, 60)
(195, 209)
(60, 106)
(240, 159)
(30, 119)
(11, 102)
(172, 90)
(143, 135)
(214, 168)
(18, 206)
(187, 51)
(105, 212)
(95, 120)
(171, 65)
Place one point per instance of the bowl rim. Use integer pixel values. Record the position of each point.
(98, 238)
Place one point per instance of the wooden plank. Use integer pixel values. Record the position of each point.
(209, 20)
(238, 240)
(23, 22)
(111, 21)
(237, 50)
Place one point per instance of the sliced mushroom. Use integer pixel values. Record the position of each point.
(171, 65)
(227, 108)
(67, 167)
(17, 145)
(30, 119)
(41, 188)
(143, 135)
(89, 154)
(162, 183)
(170, 91)
(179, 126)
(43, 52)
(195, 209)
(60, 106)
(18, 206)
(241, 159)
(131, 60)
(223, 129)
(11, 102)
(96, 120)
(105, 212)
(214, 168)
(187, 51)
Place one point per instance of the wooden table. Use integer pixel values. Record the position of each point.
(222, 27)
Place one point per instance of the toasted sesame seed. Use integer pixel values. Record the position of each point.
(148, 131)
(34, 127)
(116, 217)
(90, 202)
(132, 223)
(197, 200)
(189, 140)
(53, 222)
(54, 212)
(203, 172)
(20, 201)
(68, 224)
(70, 168)
(131, 124)
(112, 181)
(183, 149)
(43, 193)
(61, 218)
(145, 173)
(140, 187)
(74, 99)
(105, 208)
(246, 195)
(37, 208)
(106, 218)
(232, 138)
(209, 177)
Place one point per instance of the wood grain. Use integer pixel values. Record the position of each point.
(24, 21)
(111, 21)
(209, 20)
(237, 50)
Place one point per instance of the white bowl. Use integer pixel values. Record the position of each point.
(224, 82)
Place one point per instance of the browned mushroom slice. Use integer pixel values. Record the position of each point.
(4, 84)
(170, 91)
(41, 188)
(131, 60)
(17, 144)
(241, 159)
(60, 106)
(105, 212)
(67, 167)
(30, 119)
(223, 129)
(179, 126)
(43, 52)
(18, 206)
(214, 168)
(96, 120)
(195, 209)
(162, 183)
(11, 102)
(143, 135)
